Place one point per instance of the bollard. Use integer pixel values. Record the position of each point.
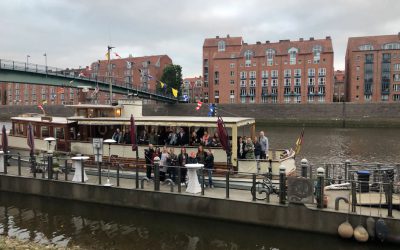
(202, 181)
(82, 172)
(304, 167)
(156, 173)
(254, 187)
(390, 199)
(19, 164)
(320, 187)
(179, 179)
(33, 165)
(66, 170)
(346, 169)
(282, 184)
(137, 176)
(227, 184)
(99, 171)
(50, 166)
(118, 166)
(353, 194)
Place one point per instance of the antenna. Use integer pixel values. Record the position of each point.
(109, 48)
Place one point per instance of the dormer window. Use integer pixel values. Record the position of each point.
(317, 49)
(247, 56)
(221, 45)
(293, 54)
(366, 47)
(270, 53)
(391, 46)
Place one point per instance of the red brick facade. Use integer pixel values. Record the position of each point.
(373, 69)
(339, 88)
(283, 72)
(193, 88)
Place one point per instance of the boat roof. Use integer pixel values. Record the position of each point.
(97, 106)
(41, 119)
(184, 121)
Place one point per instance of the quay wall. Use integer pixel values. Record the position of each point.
(318, 114)
(296, 217)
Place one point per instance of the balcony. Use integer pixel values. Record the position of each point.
(297, 75)
(242, 77)
(243, 85)
(321, 73)
(264, 76)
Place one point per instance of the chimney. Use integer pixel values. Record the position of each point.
(311, 38)
(258, 42)
(244, 43)
(227, 36)
(283, 41)
(328, 37)
(267, 42)
(217, 37)
(301, 39)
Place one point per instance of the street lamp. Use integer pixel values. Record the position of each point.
(49, 140)
(45, 60)
(109, 142)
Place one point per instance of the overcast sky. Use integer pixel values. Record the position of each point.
(76, 32)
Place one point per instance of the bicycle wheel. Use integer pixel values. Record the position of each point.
(260, 191)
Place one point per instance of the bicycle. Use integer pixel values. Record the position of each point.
(263, 189)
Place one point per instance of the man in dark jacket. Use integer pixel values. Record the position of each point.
(209, 165)
(182, 138)
(257, 152)
(148, 154)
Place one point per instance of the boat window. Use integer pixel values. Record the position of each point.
(19, 129)
(45, 131)
(59, 133)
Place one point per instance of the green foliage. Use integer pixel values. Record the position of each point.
(172, 76)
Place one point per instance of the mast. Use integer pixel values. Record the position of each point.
(109, 48)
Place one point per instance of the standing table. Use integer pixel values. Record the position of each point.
(193, 182)
(77, 164)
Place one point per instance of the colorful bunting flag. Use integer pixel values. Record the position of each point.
(128, 65)
(116, 55)
(299, 142)
(199, 105)
(174, 92)
(162, 84)
(108, 56)
(41, 107)
(44, 102)
(81, 74)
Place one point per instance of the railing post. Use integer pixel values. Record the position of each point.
(346, 169)
(353, 194)
(282, 184)
(32, 158)
(179, 179)
(137, 176)
(66, 170)
(202, 181)
(327, 174)
(390, 199)
(99, 170)
(227, 184)
(156, 174)
(5, 162)
(82, 172)
(19, 164)
(304, 167)
(320, 187)
(118, 166)
(50, 166)
(254, 187)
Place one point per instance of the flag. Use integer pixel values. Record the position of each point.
(128, 65)
(53, 96)
(185, 98)
(60, 90)
(199, 105)
(299, 142)
(162, 84)
(174, 92)
(81, 74)
(108, 56)
(44, 102)
(41, 107)
(116, 55)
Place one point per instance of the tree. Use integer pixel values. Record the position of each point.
(172, 77)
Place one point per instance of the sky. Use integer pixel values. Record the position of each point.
(76, 33)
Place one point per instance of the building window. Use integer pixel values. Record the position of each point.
(243, 75)
(247, 56)
(292, 55)
(270, 53)
(274, 91)
(321, 80)
(396, 67)
(310, 98)
(232, 65)
(311, 81)
(274, 73)
(216, 77)
(274, 82)
(385, 98)
(297, 81)
(366, 47)
(216, 96)
(253, 83)
(242, 83)
(264, 99)
(264, 83)
(367, 97)
(322, 72)
(274, 99)
(321, 99)
(243, 99)
(321, 90)
(297, 73)
(287, 72)
(297, 90)
(252, 75)
(232, 73)
(311, 72)
(232, 82)
(232, 96)
(396, 77)
(391, 46)
(252, 92)
(252, 99)
(287, 81)
(264, 74)
(298, 99)
(287, 99)
(317, 49)
(221, 45)
(286, 91)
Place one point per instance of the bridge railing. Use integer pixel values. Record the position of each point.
(67, 73)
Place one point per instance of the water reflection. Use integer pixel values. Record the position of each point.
(91, 226)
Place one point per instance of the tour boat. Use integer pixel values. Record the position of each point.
(75, 135)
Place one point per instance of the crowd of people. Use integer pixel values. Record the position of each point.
(171, 162)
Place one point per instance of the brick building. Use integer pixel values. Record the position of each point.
(339, 88)
(373, 69)
(193, 88)
(282, 72)
(132, 72)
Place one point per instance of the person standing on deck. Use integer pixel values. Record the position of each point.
(148, 154)
(209, 165)
(117, 136)
(264, 145)
(182, 160)
(172, 161)
(249, 148)
(257, 152)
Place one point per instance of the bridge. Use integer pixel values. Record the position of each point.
(20, 72)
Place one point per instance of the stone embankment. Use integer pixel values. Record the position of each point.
(8, 243)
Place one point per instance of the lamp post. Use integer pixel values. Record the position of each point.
(109, 142)
(27, 60)
(49, 140)
(45, 60)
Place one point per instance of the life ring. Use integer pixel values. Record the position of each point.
(102, 130)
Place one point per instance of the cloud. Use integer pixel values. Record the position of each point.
(76, 33)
